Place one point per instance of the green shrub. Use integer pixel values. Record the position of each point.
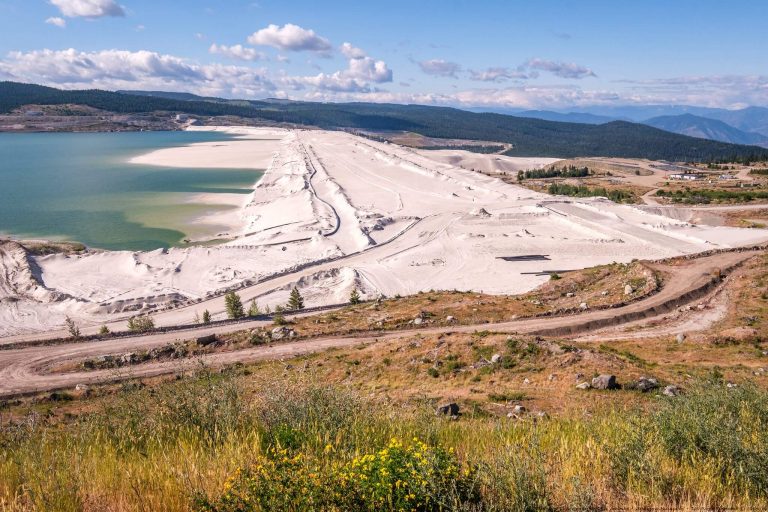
(399, 477)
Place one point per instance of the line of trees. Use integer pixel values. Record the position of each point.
(570, 171)
(615, 195)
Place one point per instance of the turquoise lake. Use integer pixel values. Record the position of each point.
(80, 187)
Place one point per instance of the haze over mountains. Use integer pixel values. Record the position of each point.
(743, 126)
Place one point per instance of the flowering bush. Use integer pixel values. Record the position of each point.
(399, 477)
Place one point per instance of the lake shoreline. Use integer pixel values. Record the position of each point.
(84, 187)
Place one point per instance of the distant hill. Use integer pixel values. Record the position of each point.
(750, 119)
(529, 137)
(705, 128)
(568, 117)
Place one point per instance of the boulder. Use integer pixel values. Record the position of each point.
(278, 333)
(671, 391)
(646, 384)
(496, 358)
(583, 305)
(81, 387)
(605, 382)
(450, 318)
(206, 340)
(680, 338)
(417, 321)
(519, 409)
(570, 294)
(583, 385)
(451, 409)
(628, 290)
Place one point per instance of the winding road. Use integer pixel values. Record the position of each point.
(27, 370)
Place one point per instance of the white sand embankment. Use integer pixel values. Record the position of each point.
(393, 220)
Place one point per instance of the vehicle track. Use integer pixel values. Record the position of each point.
(28, 370)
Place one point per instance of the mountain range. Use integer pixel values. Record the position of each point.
(528, 136)
(744, 126)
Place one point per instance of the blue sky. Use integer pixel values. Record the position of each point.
(500, 54)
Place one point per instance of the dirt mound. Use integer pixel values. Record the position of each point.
(20, 277)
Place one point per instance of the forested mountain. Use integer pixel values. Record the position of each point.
(568, 117)
(529, 137)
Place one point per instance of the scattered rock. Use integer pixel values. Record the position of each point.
(278, 333)
(730, 385)
(526, 381)
(579, 377)
(605, 382)
(645, 384)
(570, 294)
(81, 387)
(482, 362)
(604, 293)
(451, 409)
(583, 385)
(680, 337)
(671, 391)
(496, 358)
(450, 318)
(552, 377)
(628, 290)
(519, 409)
(583, 305)
(417, 320)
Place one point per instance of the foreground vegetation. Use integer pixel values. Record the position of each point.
(231, 442)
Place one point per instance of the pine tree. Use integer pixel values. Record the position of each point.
(354, 297)
(253, 309)
(233, 305)
(72, 327)
(104, 330)
(206, 317)
(295, 301)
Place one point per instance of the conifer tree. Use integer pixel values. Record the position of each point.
(233, 305)
(295, 301)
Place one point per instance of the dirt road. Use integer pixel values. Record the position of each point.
(27, 370)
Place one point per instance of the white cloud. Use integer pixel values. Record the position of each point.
(561, 69)
(370, 70)
(120, 69)
(361, 72)
(351, 52)
(238, 52)
(290, 38)
(439, 67)
(282, 58)
(498, 75)
(88, 8)
(55, 20)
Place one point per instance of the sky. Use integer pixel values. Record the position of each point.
(513, 54)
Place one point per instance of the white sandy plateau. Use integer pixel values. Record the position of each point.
(334, 212)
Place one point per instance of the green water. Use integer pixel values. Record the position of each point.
(80, 186)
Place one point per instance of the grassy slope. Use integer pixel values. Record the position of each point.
(176, 445)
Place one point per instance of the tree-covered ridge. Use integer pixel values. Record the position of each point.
(529, 137)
